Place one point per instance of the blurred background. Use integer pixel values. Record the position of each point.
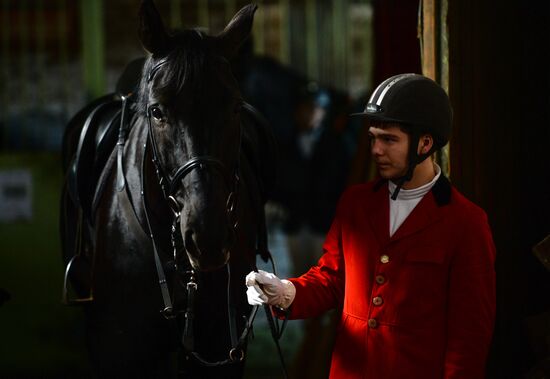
(308, 64)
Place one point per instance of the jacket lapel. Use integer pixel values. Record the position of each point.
(378, 213)
(424, 214)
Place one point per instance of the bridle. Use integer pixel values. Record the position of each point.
(169, 185)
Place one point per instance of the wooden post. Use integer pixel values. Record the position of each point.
(429, 34)
(434, 52)
(5, 31)
(340, 43)
(40, 50)
(175, 14)
(93, 46)
(312, 47)
(284, 6)
(63, 52)
(23, 96)
(445, 156)
(203, 14)
(40, 60)
(258, 29)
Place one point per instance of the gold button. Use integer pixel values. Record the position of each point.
(372, 323)
(380, 279)
(384, 258)
(377, 300)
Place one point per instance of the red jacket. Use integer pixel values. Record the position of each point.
(420, 304)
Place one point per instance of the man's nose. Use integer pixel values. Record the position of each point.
(376, 148)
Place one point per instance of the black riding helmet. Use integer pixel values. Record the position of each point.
(420, 106)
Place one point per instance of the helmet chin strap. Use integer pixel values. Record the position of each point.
(414, 160)
(402, 180)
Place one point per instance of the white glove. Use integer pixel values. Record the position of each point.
(265, 287)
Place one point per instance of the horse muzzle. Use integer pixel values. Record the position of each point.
(205, 254)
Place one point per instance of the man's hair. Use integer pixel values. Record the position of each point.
(385, 124)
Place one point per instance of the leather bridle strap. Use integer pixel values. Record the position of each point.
(121, 142)
(168, 307)
(236, 353)
(193, 163)
(232, 314)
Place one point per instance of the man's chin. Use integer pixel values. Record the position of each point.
(385, 172)
(390, 174)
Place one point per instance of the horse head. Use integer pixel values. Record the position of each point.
(192, 105)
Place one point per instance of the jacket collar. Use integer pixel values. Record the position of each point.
(424, 214)
(441, 190)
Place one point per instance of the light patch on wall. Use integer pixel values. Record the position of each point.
(15, 195)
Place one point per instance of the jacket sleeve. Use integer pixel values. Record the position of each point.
(471, 302)
(322, 287)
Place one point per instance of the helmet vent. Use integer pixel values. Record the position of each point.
(389, 85)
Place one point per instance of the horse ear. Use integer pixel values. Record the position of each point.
(152, 32)
(236, 32)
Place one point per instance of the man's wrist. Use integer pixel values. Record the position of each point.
(289, 293)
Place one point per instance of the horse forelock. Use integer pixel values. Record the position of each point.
(182, 69)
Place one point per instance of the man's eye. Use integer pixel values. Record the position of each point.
(157, 114)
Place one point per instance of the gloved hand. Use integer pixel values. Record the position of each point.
(265, 287)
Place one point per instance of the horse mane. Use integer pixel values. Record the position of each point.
(183, 68)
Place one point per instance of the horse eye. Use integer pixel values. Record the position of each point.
(157, 114)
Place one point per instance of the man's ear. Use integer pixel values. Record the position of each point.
(152, 32)
(425, 144)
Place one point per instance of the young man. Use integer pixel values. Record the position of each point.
(408, 258)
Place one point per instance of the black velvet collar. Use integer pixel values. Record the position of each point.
(441, 190)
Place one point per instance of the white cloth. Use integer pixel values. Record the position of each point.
(407, 200)
(265, 287)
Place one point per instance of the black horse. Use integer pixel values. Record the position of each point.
(160, 231)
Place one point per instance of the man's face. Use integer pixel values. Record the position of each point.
(389, 148)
